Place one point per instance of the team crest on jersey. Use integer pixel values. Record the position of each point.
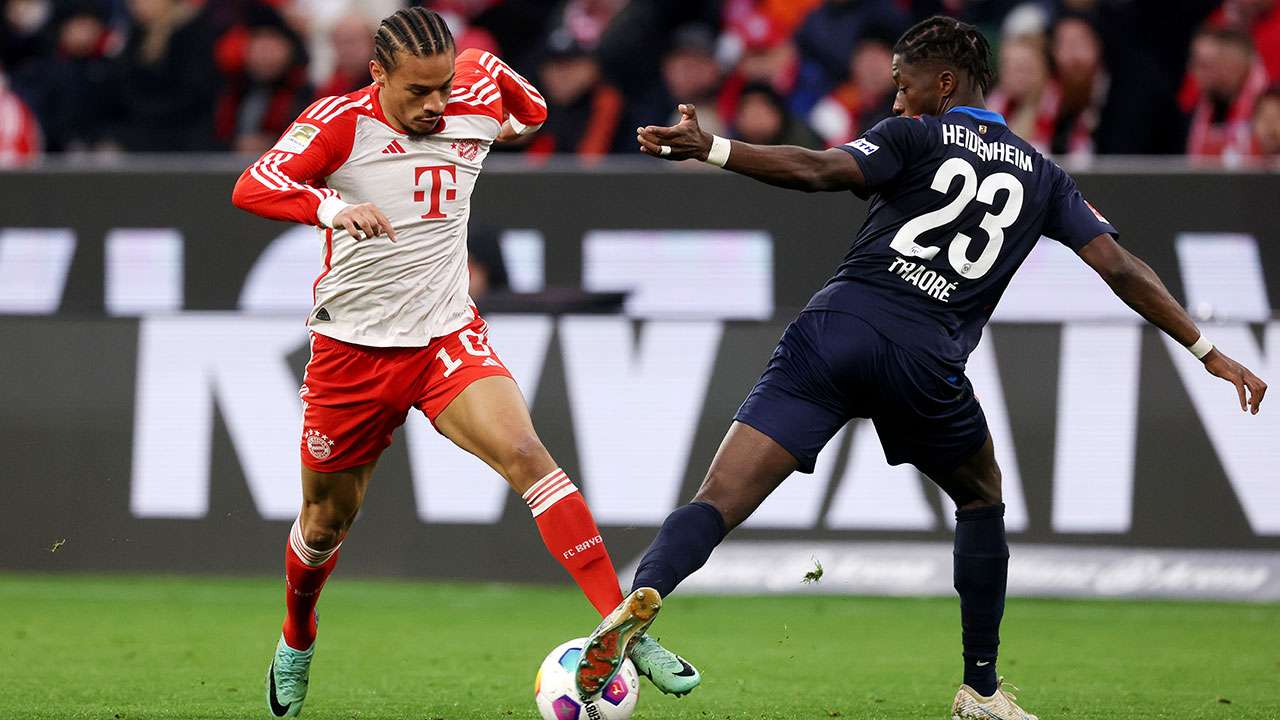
(865, 146)
(467, 149)
(298, 138)
(318, 444)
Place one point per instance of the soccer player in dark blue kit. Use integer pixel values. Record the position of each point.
(957, 202)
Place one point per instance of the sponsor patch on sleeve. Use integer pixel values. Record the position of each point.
(865, 146)
(298, 138)
(1096, 213)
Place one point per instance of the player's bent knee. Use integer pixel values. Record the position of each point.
(719, 494)
(322, 536)
(525, 458)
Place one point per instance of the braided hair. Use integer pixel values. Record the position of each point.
(415, 30)
(952, 42)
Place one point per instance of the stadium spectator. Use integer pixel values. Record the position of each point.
(767, 56)
(1071, 112)
(1266, 124)
(827, 39)
(690, 74)
(1024, 94)
(24, 31)
(584, 112)
(20, 142)
(763, 119)
(1262, 19)
(260, 101)
(985, 13)
(1231, 78)
(67, 90)
(863, 100)
(352, 42)
(164, 82)
(586, 20)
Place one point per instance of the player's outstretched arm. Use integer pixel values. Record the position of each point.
(1134, 282)
(787, 166)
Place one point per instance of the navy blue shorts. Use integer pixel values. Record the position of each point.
(831, 367)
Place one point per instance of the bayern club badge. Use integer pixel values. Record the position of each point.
(318, 444)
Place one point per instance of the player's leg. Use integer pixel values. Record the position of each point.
(981, 570)
(980, 561)
(792, 412)
(347, 423)
(330, 502)
(490, 420)
(748, 466)
(790, 415)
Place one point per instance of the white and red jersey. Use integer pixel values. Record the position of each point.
(342, 151)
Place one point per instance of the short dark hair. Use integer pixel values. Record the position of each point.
(1228, 35)
(415, 30)
(950, 41)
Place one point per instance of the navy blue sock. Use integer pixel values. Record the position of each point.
(684, 543)
(981, 574)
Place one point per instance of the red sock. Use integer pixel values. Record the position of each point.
(572, 538)
(305, 571)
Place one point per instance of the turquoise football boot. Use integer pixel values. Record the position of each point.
(287, 680)
(668, 672)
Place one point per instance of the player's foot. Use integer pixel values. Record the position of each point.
(287, 680)
(668, 672)
(613, 639)
(999, 706)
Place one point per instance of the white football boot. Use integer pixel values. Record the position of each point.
(969, 705)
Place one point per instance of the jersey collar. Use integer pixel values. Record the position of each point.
(980, 114)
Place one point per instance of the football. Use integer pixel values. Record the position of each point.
(557, 698)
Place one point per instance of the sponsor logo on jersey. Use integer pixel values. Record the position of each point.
(1095, 212)
(318, 444)
(467, 149)
(865, 146)
(298, 138)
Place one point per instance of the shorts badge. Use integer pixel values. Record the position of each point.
(318, 444)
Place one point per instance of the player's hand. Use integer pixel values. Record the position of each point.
(364, 221)
(507, 133)
(682, 141)
(1233, 372)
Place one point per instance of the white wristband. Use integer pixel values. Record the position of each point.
(1200, 347)
(329, 209)
(719, 153)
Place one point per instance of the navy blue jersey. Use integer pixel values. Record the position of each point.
(957, 203)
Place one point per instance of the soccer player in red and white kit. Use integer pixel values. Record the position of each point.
(387, 174)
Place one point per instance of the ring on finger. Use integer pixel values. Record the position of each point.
(664, 150)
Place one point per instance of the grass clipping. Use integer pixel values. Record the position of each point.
(815, 575)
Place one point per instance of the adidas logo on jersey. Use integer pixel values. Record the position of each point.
(395, 148)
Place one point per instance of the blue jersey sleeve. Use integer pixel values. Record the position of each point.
(884, 150)
(1071, 220)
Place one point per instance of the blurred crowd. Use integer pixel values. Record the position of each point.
(1077, 78)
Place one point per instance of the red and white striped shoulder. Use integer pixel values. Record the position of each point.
(485, 85)
(327, 109)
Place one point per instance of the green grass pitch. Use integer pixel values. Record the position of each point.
(130, 648)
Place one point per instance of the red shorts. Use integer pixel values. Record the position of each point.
(355, 396)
